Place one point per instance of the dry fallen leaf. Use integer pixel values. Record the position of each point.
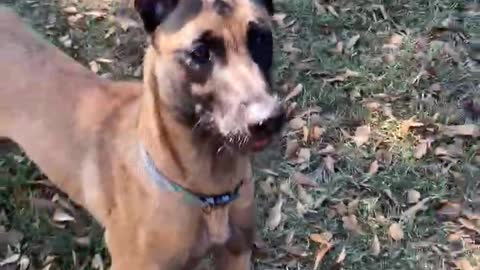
(322, 238)
(340, 209)
(291, 148)
(321, 254)
(422, 148)
(343, 77)
(279, 19)
(463, 264)
(375, 246)
(303, 180)
(472, 130)
(341, 257)
(352, 207)
(396, 232)
(449, 211)
(275, 214)
(295, 92)
(304, 197)
(469, 225)
(70, 10)
(332, 11)
(407, 124)
(94, 66)
(317, 132)
(297, 123)
(362, 135)
(62, 216)
(23, 263)
(329, 149)
(350, 223)
(413, 196)
(329, 164)
(10, 259)
(373, 168)
(97, 262)
(303, 155)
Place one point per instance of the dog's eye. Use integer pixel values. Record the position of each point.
(200, 54)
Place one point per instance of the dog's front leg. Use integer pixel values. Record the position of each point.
(224, 259)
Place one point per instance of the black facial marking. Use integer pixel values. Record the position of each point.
(222, 8)
(260, 46)
(268, 4)
(185, 11)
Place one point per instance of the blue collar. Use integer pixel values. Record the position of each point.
(204, 201)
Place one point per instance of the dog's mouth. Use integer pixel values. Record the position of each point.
(259, 144)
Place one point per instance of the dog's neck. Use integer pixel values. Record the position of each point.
(173, 148)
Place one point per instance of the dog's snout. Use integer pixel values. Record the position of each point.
(271, 125)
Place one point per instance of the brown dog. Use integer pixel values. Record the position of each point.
(165, 169)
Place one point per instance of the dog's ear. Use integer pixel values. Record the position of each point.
(268, 5)
(154, 12)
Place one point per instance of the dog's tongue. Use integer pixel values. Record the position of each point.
(259, 144)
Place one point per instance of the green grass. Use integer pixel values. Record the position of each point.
(382, 197)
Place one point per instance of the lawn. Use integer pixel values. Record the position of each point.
(379, 167)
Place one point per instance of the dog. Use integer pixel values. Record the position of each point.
(163, 165)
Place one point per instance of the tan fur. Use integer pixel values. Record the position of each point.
(83, 132)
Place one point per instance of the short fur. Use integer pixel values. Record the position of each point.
(84, 133)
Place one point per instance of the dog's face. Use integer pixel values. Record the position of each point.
(213, 66)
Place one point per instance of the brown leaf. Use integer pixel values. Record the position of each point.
(306, 133)
(340, 208)
(384, 157)
(319, 8)
(469, 225)
(329, 164)
(291, 148)
(373, 168)
(70, 10)
(350, 223)
(343, 77)
(339, 47)
(395, 42)
(303, 156)
(472, 130)
(320, 255)
(329, 149)
(303, 180)
(295, 92)
(413, 196)
(463, 264)
(275, 214)
(422, 148)
(407, 124)
(362, 134)
(322, 238)
(449, 211)
(375, 246)
(296, 123)
(304, 197)
(396, 232)
(317, 132)
(352, 207)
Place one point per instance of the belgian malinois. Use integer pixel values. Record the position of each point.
(164, 166)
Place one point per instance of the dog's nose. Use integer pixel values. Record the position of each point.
(271, 125)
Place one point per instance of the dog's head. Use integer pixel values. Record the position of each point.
(212, 66)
